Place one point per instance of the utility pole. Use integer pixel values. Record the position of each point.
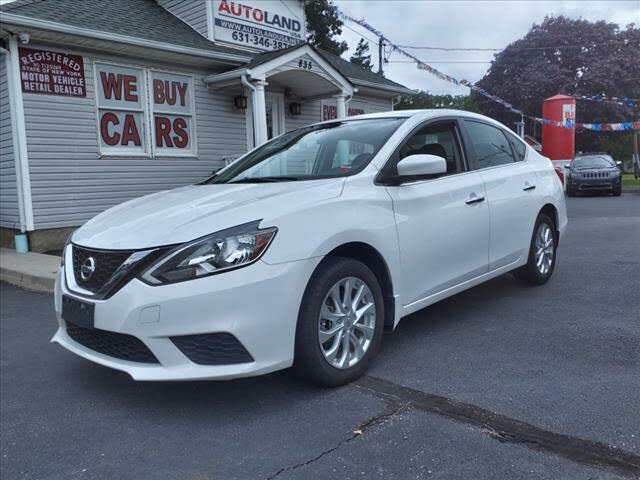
(380, 56)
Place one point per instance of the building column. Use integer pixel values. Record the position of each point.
(341, 104)
(259, 112)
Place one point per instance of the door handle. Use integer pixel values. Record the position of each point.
(528, 188)
(473, 198)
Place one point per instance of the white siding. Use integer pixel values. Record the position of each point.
(312, 111)
(70, 183)
(9, 213)
(191, 12)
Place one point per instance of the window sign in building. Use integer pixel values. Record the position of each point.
(329, 110)
(52, 73)
(172, 113)
(260, 25)
(120, 98)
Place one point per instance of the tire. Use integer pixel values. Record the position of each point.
(617, 191)
(532, 273)
(571, 192)
(312, 360)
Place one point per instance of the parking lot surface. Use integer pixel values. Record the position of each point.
(501, 381)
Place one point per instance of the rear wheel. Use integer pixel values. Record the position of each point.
(340, 323)
(542, 253)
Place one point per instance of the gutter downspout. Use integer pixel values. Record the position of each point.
(18, 136)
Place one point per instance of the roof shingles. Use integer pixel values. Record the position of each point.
(147, 20)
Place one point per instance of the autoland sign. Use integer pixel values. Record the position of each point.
(260, 25)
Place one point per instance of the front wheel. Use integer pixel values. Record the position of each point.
(340, 323)
(617, 191)
(542, 253)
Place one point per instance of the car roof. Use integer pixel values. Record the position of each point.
(423, 114)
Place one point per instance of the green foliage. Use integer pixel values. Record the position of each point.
(323, 24)
(597, 58)
(423, 99)
(362, 57)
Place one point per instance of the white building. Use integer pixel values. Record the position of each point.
(102, 101)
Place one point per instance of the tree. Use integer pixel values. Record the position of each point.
(362, 57)
(574, 57)
(423, 99)
(323, 24)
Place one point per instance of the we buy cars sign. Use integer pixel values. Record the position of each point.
(131, 99)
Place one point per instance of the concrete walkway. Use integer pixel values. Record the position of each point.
(33, 271)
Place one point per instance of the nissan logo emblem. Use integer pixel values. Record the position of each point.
(87, 268)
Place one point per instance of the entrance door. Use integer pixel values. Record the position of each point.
(274, 103)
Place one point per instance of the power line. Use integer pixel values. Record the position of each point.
(426, 61)
(551, 47)
(360, 34)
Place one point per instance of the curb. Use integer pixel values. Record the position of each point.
(27, 281)
(32, 271)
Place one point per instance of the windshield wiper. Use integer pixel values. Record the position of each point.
(264, 179)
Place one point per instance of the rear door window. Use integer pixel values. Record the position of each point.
(491, 145)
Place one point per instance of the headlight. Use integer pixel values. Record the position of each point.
(225, 250)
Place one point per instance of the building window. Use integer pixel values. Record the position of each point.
(172, 114)
(120, 98)
(144, 112)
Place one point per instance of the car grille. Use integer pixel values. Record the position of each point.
(596, 175)
(106, 263)
(212, 349)
(116, 345)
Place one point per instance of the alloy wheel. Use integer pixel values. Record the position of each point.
(347, 322)
(545, 248)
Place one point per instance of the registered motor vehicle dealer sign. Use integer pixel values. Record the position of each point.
(52, 73)
(260, 25)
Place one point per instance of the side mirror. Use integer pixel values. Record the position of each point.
(619, 164)
(567, 166)
(421, 165)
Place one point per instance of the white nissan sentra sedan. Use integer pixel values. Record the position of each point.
(303, 251)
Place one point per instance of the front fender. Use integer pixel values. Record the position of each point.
(362, 213)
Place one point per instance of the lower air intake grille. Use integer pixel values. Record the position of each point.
(212, 349)
(117, 345)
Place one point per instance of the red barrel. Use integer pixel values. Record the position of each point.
(559, 143)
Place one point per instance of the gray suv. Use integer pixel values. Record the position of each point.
(594, 173)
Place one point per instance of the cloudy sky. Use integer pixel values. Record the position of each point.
(463, 24)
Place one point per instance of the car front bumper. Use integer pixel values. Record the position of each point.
(257, 304)
(594, 184)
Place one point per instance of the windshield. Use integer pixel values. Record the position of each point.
(329, 150)
(593, 162)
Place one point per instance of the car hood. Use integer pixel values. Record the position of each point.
(187, 213)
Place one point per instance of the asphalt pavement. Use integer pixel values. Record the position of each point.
(502, 381)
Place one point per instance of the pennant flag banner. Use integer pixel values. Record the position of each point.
(629, 102)
(596, 127)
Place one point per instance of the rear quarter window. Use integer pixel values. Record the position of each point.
(520, 148)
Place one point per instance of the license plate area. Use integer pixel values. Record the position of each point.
(78, 312)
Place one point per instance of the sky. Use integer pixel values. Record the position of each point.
(462, 24)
